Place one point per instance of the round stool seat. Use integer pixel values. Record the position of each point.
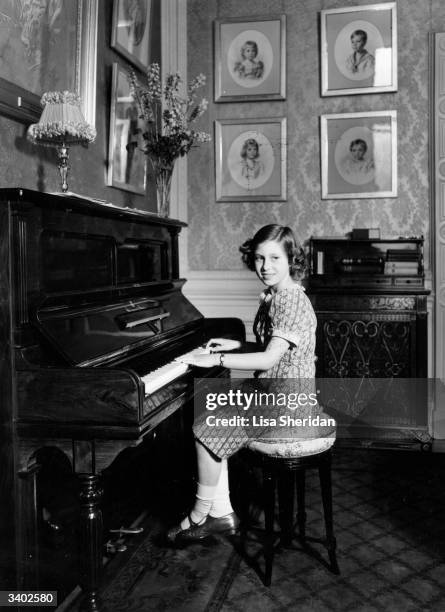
(293, 448)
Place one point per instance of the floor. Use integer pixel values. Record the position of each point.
(388, 515)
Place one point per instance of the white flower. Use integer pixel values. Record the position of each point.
(164, 105)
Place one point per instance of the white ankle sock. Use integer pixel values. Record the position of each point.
(221, 500)
(203, 503)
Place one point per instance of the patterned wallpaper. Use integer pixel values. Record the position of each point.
(219, 228)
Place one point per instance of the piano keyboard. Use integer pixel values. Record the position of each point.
(161, 376)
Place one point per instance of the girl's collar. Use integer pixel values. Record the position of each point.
(268, 293)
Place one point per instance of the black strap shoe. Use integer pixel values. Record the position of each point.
(174, 533)
(227, 524)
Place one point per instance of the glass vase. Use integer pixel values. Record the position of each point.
(163, 177)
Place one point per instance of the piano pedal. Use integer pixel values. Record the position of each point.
(111, 548)
(118, 545)
(127, 530)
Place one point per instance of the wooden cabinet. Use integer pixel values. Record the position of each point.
(370, 301)
(371, 305)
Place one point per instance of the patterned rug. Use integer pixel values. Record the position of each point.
(388, 517)
(160, 578)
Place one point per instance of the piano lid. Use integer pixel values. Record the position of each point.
(100, 283)
(97, 333)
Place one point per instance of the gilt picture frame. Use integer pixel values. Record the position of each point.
(131, 31)
(359, 49)
(250, 160)
(359, 155)
(26, 72)
(250, 59)
(127, 164)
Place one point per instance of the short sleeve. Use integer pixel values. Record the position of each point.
(292, 316)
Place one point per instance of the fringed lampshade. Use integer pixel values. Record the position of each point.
(61, 124)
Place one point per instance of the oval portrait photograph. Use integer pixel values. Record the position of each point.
(251, 160)
(354, 156)
(356, 48)
(250, 58)
(359, 155)
(359, 49)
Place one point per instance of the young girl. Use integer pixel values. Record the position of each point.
(251, 166)
(249, 67)
(285, 331)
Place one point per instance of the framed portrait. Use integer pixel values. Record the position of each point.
(250, 160)
(130, 32)
(126, 163)
(35, 57)
(250, 59)
(359, 49)
(359, 155)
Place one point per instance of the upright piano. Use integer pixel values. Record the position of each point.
(92, 318)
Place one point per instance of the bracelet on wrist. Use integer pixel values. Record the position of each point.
(221, 359)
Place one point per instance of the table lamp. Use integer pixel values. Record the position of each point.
(62, 124)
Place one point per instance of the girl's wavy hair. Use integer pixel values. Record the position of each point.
(252, 142)
(361, 33)
(285, 236)
(358, 141)
(250, 43)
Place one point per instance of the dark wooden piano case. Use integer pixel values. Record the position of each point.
(90, 302)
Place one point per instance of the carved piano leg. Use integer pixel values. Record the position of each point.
(27, 528)
(90, 539)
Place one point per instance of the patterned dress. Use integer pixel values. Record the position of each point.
(286, 314)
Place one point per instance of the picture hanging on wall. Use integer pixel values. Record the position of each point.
(250, 160)
(35, 58)
(250, 59)
(359, 49)
(130, 33)
(359, 155)
(126, 163)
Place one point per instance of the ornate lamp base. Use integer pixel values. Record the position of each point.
(63, 152)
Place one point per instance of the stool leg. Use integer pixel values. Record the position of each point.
(324, 470)
(286, 493)
(269, 513)
(301, 511)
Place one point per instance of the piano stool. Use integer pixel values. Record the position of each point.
(284, 464)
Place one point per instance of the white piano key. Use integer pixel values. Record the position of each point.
(156, 379)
